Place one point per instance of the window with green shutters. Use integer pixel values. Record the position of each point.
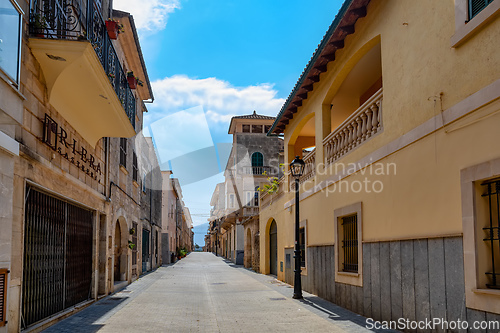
(475, 6)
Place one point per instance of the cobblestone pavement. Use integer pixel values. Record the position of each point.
(204, 293)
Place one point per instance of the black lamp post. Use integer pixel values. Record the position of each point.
(297, 169)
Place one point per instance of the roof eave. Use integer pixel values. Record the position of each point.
(334, 27)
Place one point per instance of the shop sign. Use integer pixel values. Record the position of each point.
(57, 138)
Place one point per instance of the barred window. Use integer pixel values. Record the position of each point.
(134, 166)
(491, 228)
(123, 152)
(349, 226)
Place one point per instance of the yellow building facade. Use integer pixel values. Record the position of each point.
(398, 109)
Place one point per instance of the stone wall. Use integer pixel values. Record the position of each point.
(412, 279)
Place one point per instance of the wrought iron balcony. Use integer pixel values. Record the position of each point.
(80, 21)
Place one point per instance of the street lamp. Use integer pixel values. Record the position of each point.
(297, 169)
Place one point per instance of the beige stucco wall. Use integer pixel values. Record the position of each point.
(424, 83)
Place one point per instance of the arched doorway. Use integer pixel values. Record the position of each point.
(273, 248)
(118, 251)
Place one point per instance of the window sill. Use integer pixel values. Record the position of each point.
(487, 292)
(122, 169)
(468, 30)
(348, 274)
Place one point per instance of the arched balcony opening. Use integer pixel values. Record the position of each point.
(356, 113)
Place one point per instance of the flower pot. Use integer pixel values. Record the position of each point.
(132, 82)
(112, 28)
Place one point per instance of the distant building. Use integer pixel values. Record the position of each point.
(234, 220)
(176, 220)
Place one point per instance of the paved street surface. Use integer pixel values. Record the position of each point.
(205, 293)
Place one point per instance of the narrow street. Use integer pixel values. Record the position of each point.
(204, 293)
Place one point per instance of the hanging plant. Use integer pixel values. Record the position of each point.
(131, 245)
(132, 231)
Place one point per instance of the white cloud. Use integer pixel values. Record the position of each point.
(150, 14)
(220, 99)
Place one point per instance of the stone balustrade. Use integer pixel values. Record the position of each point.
(360, 126)
(310, 167)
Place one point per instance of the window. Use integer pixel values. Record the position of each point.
(134, 167)
(256, 128)
(134, 241)
(490, 224)
(349, 227)
(348, 249)
(123, 152)
(472, 16)
(267, 128)
(257, 163)
(231, 201)
(143, 181)
(248, 196)
(246, 128)
(3, 295)
(475, 6)
(10, 39)
(256, 196)
(302, 246)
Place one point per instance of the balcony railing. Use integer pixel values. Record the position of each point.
(258, 170)
(310, 167)
(82, 20)
(250, 211)
(362, 124)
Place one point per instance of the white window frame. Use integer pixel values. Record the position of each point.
(465, 28)
(476, 296)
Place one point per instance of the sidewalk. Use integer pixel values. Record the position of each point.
(204, 293)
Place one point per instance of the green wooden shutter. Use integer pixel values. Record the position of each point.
(475, 6)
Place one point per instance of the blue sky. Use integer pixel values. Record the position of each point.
(214, 59)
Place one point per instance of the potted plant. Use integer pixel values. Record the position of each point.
(133, 81)
(132, 231)
(114, 28)
(39, 25)
(131, 245)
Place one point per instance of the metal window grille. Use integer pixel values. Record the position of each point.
(123, 152)
(493, 231)
(134, 166)
(302, 246)
(476, 6)
(134, 241)
(3, 295)
(350, 243)
(57, 267)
